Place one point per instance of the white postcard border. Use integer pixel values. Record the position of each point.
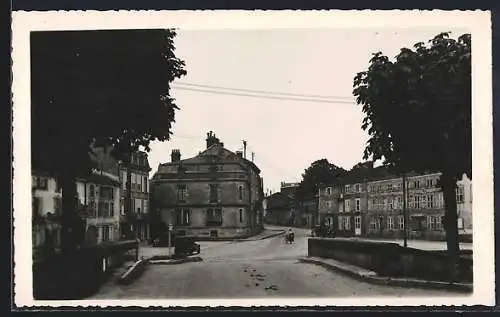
(478, 22)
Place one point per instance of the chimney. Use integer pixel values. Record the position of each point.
(211, 139)
(239, 154)
(176, 156)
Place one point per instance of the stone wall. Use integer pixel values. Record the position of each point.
(390, 259)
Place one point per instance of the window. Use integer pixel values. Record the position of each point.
(181, 193)
(347, 205)
(358, 204)
(434, 222)
(105, 233)
(347, 223)
(241, 215)
(429, 183)
(460, 194)
(391, 203)
(341, 207)
(410, 202)
(423, 202)
(347, 188)
(401, 222)
(430, 201)
(138, 205)
(389, 187)
(385, 203)
(440, 202)
(390, 222)
(92, 191)
(145, 206)
(213, 193)
(106, 193)
(214, 217)
(417, 202)
(329, 191)
(92, 209)
(398, 202)
(416, 184)
(374, 224)
(183, 217)
(145, 184)
(356, 188)
(103, 209)
(240, 192)
(41, 182)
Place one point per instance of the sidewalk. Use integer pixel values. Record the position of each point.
(372, 277)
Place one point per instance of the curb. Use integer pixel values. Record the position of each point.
(372, 277)
(258, 239)
(176, 261)
(133, 273)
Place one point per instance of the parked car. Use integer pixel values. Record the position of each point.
(186, 246)
(324, 232)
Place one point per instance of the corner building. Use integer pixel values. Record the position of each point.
(217, 194)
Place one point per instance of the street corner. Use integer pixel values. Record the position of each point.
(133, 273)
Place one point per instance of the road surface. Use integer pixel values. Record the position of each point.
(249, 269)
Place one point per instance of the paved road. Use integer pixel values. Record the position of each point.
(249, 269)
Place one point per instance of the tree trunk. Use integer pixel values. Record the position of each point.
(69, 217)
(448, 186)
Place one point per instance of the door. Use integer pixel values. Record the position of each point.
(357, 225)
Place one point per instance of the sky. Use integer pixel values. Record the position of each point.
(286, 136)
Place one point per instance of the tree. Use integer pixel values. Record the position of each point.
(418, 114)
(97, 89)
(319, 173)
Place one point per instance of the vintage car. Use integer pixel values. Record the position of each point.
(324, 232)
(186, 246)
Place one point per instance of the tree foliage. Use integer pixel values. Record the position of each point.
(98, 88)
(418, 113)
(320, 172)
(418, 108)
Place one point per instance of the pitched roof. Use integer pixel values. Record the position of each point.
(216, 153)
(100, 179)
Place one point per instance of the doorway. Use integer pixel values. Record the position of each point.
(357, 225)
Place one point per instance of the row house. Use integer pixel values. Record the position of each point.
(371, 204)
(216, 194)
(139, 204)
(98, 196)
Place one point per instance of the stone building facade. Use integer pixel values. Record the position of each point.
(99, 199)
(217, 194)
(371, 205)
(139, 169)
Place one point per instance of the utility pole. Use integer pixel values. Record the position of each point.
(244, 149)
(405, 213)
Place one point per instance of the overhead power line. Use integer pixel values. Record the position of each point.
(264, 96)
(263, 91)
